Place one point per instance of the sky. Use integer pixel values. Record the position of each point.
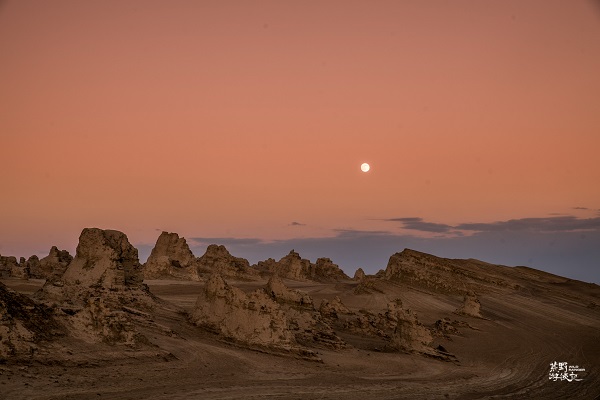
(245, 123)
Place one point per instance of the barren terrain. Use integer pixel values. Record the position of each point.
(425, 328)
(507, 354)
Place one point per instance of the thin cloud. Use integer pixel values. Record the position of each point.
(580, 208)
(551, 224)
(225, 241)
(417, 224)
(359, 233)
(559, 223)
(294, 223)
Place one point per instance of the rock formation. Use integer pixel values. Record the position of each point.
(471, 306)
(399, 327)
(324, 270)
(333, 308)
(447, 276)
(217, 259)
(171, 258)
(103, 281)
(34, 267)
(8, 266)
(359, 275)
(50, 267)
(410, 334)
(20, 270)
(292, 266)
(308, 325)
(369, 285)
(421, 269)
(280, 293)
(253, 319)
(104, 258)
(23, 325)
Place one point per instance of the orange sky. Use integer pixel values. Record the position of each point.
(237, 118)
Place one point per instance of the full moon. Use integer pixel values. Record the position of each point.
(365, 167)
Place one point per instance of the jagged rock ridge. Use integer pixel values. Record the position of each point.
(292, 266)
(217, 259)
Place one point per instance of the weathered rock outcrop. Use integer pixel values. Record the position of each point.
(369, 285)
(471, 306)
(280, 293)
(398, 326)
(34, 267)
(410, 334)
(324, 270)
(53, 266)
(104, 258)
(8, 266)
(171, 258)
(103, 281)
(292, 266)
(420, 269)
(253, 319)
(359, 275)
(309, 327)
(24, 324)
(333, 308)
(217, 259)
(21, 270)
(448, 276)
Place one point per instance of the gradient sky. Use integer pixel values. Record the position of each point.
(245, 123)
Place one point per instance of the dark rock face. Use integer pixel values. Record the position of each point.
(24, 324)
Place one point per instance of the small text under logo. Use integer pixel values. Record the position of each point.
(562, 371)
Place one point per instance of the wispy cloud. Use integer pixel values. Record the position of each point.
(225, 241)
(294, 223)
(580, 208)
(417, 224)
(550, 224)
(359, 233)
(561, 223)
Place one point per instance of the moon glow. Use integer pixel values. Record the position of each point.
(365, 167)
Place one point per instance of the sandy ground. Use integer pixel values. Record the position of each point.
(507, 354)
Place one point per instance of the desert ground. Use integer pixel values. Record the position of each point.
(527, 320)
